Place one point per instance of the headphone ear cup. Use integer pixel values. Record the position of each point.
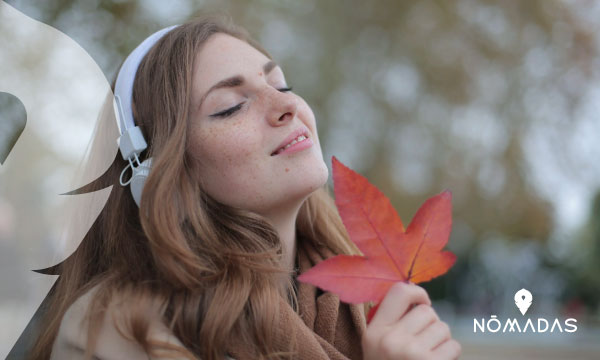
(138, 179)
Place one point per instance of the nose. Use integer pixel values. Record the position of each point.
(282, 107)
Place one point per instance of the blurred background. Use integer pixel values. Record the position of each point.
(497, 101)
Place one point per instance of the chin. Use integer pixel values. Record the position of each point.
(298, 187)
(318, 177)
(308, 176)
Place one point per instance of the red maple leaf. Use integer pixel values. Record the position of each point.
(391, 253)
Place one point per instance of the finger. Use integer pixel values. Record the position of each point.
(433, 335)
(417, 319)
(413, 323)
(451, 349)
(397, 301)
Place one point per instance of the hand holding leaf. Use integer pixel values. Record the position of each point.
(391, 253)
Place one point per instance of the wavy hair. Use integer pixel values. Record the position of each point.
(212, 272)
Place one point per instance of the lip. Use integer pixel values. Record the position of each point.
(292, 136)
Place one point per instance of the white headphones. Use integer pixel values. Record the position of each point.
(132, 142)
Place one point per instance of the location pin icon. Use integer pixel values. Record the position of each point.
(523, 300)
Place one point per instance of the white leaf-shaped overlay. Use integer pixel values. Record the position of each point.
(63, 90)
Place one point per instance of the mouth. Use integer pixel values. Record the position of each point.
(294, 138)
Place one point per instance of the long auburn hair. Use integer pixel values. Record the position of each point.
(212, 272)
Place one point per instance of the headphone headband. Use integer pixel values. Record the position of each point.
(132, 142)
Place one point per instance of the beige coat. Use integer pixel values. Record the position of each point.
(71, 339)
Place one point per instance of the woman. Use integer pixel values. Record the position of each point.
(234, 207)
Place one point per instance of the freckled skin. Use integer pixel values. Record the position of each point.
(233, 154)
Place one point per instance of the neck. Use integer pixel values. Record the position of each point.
(284, 222)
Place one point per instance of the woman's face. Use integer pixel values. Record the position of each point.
(241, 117)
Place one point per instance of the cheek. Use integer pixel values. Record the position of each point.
(223, 145)
(228, 160)
(310, 121)
(308, 117)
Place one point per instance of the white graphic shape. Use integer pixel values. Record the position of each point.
(63, 91)
(523, 299)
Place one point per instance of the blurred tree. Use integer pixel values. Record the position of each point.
(584, 267)
(494, 100)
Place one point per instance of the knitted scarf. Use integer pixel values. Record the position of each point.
(323, 327)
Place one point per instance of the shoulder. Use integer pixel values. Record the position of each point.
(71, 339)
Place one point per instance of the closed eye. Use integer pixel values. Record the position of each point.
(228, 112)
(234, 109)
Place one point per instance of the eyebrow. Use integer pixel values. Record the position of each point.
(236, 80)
